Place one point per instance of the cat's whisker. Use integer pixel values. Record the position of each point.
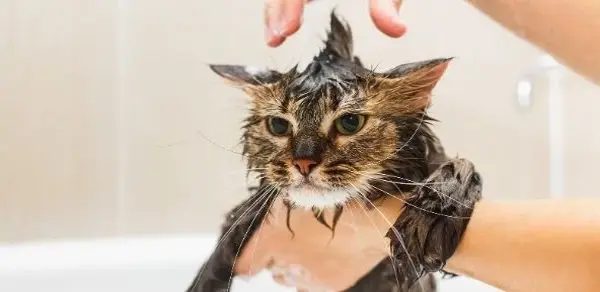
(245, 170)
(260, 177)
(412, 136)
(254, 168)
(398, 177)
(255, 175)
(412, 183)
(395, 182)
(241, 208)
(199, 132)
(273, 193)
(414, 206)
(426, 184)
(251, 206)
(269, 197)
(353, 217)
(407, 142)
(228, 232)
(395, 231)
(180, 142)
(395, 156)
(191, 140)
(276, 215)
(377, 234)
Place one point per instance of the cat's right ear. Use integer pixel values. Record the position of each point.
(244, 76)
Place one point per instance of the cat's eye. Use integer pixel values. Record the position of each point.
(278, 126)
(349, 124)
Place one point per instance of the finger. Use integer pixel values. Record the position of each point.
(282, 19)
(385, 16)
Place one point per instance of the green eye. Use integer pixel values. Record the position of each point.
(278, 126)
(349, 124)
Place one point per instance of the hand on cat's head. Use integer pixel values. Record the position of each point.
(283, 18)
(334, 264)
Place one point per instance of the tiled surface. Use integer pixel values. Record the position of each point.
(101, 103)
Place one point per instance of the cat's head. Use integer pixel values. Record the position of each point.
(335, 130)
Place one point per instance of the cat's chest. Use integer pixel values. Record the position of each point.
(313, 198)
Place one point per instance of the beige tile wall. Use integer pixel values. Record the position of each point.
(57, 97)
(102, 102)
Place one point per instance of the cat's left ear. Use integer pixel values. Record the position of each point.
(409, 86)
(246, 75)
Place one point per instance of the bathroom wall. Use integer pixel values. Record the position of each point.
(111, 123)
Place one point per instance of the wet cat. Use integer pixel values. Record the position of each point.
(337, 132)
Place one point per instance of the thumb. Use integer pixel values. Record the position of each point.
(385, 16)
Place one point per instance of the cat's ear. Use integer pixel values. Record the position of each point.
(410, 85)
(246, 75)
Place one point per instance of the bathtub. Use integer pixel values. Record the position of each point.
(145, 264)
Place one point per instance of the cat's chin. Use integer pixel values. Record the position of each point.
(310, 197)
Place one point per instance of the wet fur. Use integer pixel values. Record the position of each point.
(395, 148)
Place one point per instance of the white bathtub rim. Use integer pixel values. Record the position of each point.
(108, 253)
(185, 252)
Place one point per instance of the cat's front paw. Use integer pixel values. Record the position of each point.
(434, 218)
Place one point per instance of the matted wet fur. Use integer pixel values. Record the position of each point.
(339, 132)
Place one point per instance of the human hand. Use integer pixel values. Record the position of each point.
(284, 17)
(312, 260)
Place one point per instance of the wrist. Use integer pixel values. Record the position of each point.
(428, 231)
(457, 263)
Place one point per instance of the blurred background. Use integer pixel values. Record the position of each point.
(112, 125)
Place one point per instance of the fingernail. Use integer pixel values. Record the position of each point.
(397, 28)
(275, 34)
(278, 29)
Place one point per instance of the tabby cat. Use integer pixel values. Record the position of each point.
(335, 132)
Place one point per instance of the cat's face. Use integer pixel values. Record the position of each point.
(322, 140)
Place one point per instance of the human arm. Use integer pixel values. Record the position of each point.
(567, 29)
(533, 245)
(528, 245)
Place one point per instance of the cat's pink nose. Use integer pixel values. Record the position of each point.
(305, 166)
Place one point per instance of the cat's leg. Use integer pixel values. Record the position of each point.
(217, 273)
(434, 218)
(383, 278)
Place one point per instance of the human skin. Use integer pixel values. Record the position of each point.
(566, 29)
(527, 245)
(533, 245)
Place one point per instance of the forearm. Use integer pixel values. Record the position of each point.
(567, 29)
(541, 245)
